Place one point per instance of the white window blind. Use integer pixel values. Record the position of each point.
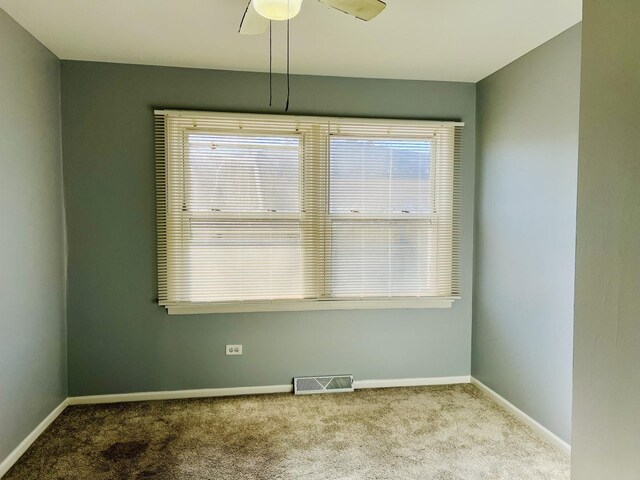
(263, 212)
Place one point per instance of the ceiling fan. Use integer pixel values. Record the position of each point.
(259, 13)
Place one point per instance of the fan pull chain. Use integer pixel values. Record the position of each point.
(286, 108)
(270, 63)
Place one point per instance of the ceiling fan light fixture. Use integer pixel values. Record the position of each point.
(278, 9)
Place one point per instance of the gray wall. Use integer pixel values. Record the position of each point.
(525, 230)
(120, 340)
(32, 325)
(606, 432)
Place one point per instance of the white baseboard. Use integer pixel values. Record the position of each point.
(179, 394)
(13, 457)
(544, 432)
(410, 382)
(232, 392)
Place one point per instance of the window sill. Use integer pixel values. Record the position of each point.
(299, 306)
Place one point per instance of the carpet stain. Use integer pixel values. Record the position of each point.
(125, 450)
(436, 433)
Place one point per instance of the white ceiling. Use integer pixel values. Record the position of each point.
(461, 40)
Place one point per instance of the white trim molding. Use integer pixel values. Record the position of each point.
(13, 457)
(540, 429)
(237, 391)
(410, 382)
(300, 306)
(179, 394)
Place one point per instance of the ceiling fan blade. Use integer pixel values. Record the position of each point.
(362, 9)
(252, 22)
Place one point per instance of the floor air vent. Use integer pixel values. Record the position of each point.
(327, 384)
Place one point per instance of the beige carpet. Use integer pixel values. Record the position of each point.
(435, 433)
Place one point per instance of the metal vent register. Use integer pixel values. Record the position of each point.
(326, 384)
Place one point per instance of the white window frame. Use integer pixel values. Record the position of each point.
(322, 301)
(335, 218)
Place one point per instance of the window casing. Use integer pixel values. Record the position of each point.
(268, 213)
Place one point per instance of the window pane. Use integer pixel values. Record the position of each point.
(380, 176)
(243, 173)
(249, 260)
(381, 258)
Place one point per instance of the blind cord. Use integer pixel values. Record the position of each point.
(286, 108)
(270, 63)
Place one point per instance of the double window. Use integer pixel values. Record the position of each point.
(260, 212)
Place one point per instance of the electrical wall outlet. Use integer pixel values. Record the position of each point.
(233, 350)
